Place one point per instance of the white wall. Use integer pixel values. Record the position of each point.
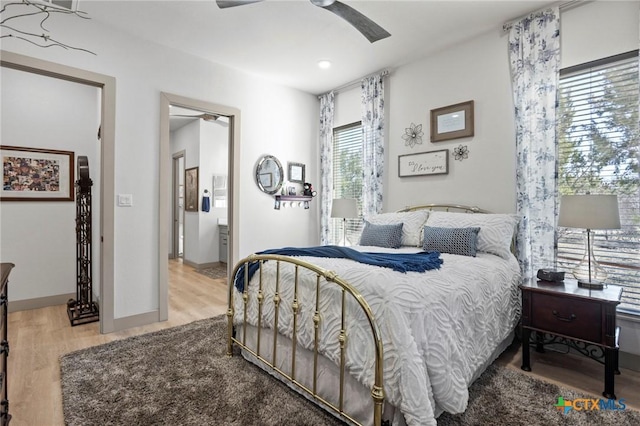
(275, 120)
(40, 236)
(214, 153)
(597, 30)
(187, 139)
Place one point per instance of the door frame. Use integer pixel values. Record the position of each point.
(174, 253)
(164, 208)
(107, 86)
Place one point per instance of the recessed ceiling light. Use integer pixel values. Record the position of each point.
(324, 64)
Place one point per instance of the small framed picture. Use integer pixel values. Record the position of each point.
(292, 190)
(296, 172)
(191, 189)
(452, 122)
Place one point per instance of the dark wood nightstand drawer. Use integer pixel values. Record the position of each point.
(579, 319)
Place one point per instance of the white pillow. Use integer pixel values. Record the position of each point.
(412, 223)
(496, 230)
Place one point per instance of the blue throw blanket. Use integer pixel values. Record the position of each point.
(401, 262)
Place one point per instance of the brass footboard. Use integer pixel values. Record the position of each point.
(322, 276)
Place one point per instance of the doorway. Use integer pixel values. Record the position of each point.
(231, 116)
(106, 85)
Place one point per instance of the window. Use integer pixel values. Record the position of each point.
(598, 152)
(347, 178)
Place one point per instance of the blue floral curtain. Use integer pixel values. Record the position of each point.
(534, 55)
(373, 143)
(326, 164)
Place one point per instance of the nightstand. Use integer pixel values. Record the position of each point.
(583, 319)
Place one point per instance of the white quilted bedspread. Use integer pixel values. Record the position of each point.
(437, 327)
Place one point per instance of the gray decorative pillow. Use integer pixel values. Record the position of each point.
(389, 236)
(462, 241)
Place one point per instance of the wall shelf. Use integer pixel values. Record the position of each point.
(292, 201)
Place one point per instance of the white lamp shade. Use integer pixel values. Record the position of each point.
(344, 208)
(589, 211)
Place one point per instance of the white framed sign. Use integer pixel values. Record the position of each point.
(424, 163)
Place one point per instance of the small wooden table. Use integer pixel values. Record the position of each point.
(579, 317)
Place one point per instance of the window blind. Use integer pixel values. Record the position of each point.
(598, 153)
(347, 178)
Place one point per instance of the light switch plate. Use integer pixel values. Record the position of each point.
(125, 200)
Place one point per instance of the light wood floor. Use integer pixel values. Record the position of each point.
(39, 337)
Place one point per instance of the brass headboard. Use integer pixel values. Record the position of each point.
(445, 208)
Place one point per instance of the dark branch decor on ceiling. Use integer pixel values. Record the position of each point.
(461, 152)
(35, 8)
(413, 135)
(372, 31)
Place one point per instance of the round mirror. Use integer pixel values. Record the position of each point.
(269, 175)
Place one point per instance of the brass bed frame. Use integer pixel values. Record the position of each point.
(322, 275)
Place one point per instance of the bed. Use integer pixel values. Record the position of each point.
(373, 345)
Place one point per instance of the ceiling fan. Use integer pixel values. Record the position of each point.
(372, 31)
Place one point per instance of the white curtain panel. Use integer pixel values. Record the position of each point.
(534, 55)
(373, 143)
(326, 164)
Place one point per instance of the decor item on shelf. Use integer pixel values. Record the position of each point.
(372, 31)
(424, 163)
(191, 189)
(344, 208)
(43, 9)
(269, 174)
(452, 122)
(461, 152)
(35, 174)
(83, 309)
(589, 211)
(413, 135)
(308, 190)
(296, 172)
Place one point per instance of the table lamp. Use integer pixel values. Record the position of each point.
(590, 212)
(344, 208)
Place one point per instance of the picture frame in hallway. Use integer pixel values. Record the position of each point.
(452, 122)
(191, 189)
(36, 174)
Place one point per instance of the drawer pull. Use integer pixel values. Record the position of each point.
(557, 315)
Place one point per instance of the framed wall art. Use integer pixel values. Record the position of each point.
(452, 122)
(34, 174)
(424, 163)
(191, 189)
(296, 172)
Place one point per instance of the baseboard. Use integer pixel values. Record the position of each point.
(135, 320)
(40, 302)
(202, 265)
(629, 361)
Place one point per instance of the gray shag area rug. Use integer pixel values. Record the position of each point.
(215, 272)
(182, 376)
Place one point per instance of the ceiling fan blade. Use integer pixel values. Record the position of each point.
(204, 116)
(372, 31)
(223, 4)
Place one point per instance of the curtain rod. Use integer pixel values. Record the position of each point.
(563, 6)
(355, 83)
